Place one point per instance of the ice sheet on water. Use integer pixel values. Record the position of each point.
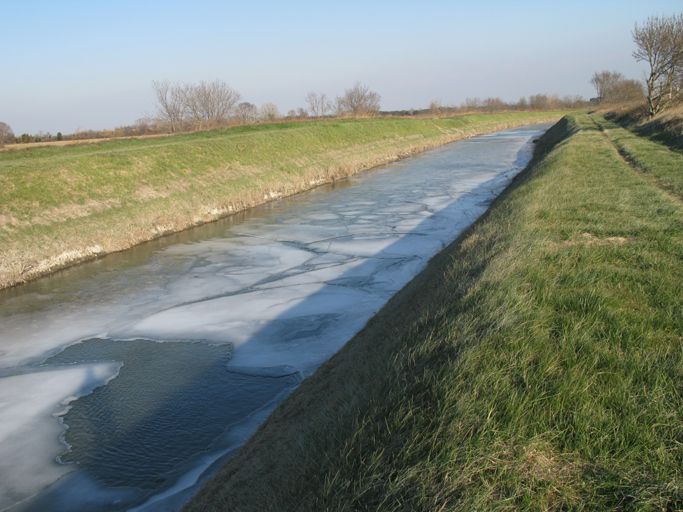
(299, 230)
(312, 274)
(29, 429)
(323, 216)
(239, 319)
(358, 245)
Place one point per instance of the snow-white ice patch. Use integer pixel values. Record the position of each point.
(30, 430)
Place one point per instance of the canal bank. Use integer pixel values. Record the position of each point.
(65, 205)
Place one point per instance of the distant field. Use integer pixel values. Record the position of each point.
(63, 204)
(536, 364)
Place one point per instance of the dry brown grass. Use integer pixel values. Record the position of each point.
(588, 240)
(666, 126)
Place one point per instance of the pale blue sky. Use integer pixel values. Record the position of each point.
(68, 65)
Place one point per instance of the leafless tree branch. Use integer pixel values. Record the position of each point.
(199, 106)
(318, 104)
(358, 101)
(659, 43)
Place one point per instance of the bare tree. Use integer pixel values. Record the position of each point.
(6, 134)
(493, 104)
(472, 103)
(170, 104)
(358, 101)
(659, 42)
(613, 87)
(627, 90)
(338, 107)
(539, 102)
(209, 103)
(246, 113)
(318, 104)
(601, 82)
(576, 101)
(201, 106)
(435, 107)
(269, 112)
(301, 113)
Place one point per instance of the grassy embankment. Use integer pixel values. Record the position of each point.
(62, 205)
(536, 364)
(666, 128)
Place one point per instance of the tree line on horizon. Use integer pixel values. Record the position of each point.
(191, 107)
(194, 107)
(175, 111)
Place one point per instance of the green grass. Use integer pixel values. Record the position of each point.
(655, 159)
(536, 364)
(665, 128)
(59, 205)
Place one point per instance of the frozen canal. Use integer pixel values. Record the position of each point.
(125, 382)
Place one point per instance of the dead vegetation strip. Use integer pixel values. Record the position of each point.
(590, 240)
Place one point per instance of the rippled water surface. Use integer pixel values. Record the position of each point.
(136, 429)
(125, 382)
